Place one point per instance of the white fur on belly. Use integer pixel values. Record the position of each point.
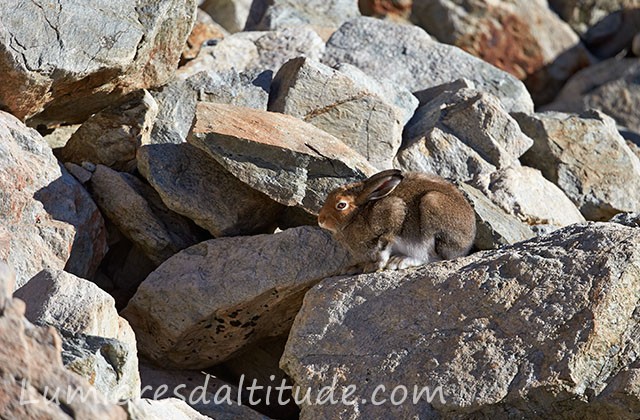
(423, 251)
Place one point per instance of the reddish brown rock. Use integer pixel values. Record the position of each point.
(524, 38)
(291, 161)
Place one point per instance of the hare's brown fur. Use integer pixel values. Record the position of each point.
(422, 219)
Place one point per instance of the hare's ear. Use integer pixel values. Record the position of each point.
(380, 185)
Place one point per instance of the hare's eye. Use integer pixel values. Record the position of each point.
(342, 205)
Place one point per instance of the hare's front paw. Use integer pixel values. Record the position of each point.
(400, 262)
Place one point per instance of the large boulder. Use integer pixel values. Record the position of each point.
(293, 162)
(522, 37)
(32, 369)
(587, 158)
(112, 136)
(610, 86)
(44, 211)
(464, 135)
(545, 328)
(232, 292)
(366, 115)
(65, 61)
(409, 57)
(278, 14)
(97, 343)
(225, 206)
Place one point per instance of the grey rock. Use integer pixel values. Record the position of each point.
(293, 162)
(583, 14)
(83, 57)
(366, 115)
(224, 206)
(587, 158)
(609, 86)
(66, 200)
(138, 212)
(463, 135)
(108, 364)
(112, 136)
(410, 58)
(257, 51)
(546, 328)
(521, 37)
(613, 35)
(59, 137)
(233, 292)
(73, 305)
(278, 14)
(231, 14)
(541, 230)
(627, 219)
(177, 100)
(31, 237)
(198, 389)
(33, 370)
(525, 193)
(494, 227)
(81, 174)
(168, 408)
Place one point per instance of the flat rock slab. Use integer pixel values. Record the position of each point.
(408, 56)
(231, 292)
(293, 162)
(546, 328)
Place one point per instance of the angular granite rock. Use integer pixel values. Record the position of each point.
(256, 51)
(463, 134)
(587, 158)
(293, 162)
(409, 57)
(526, 194)
(546, 328)
(366, 115)
(34, 234)
(232, 292)
(138, 212)
(277, 14)
(494, 227)
(193, 184)
(112, 136)
(610, 86)
(63, 61)
(524, 38)
(32, 368)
